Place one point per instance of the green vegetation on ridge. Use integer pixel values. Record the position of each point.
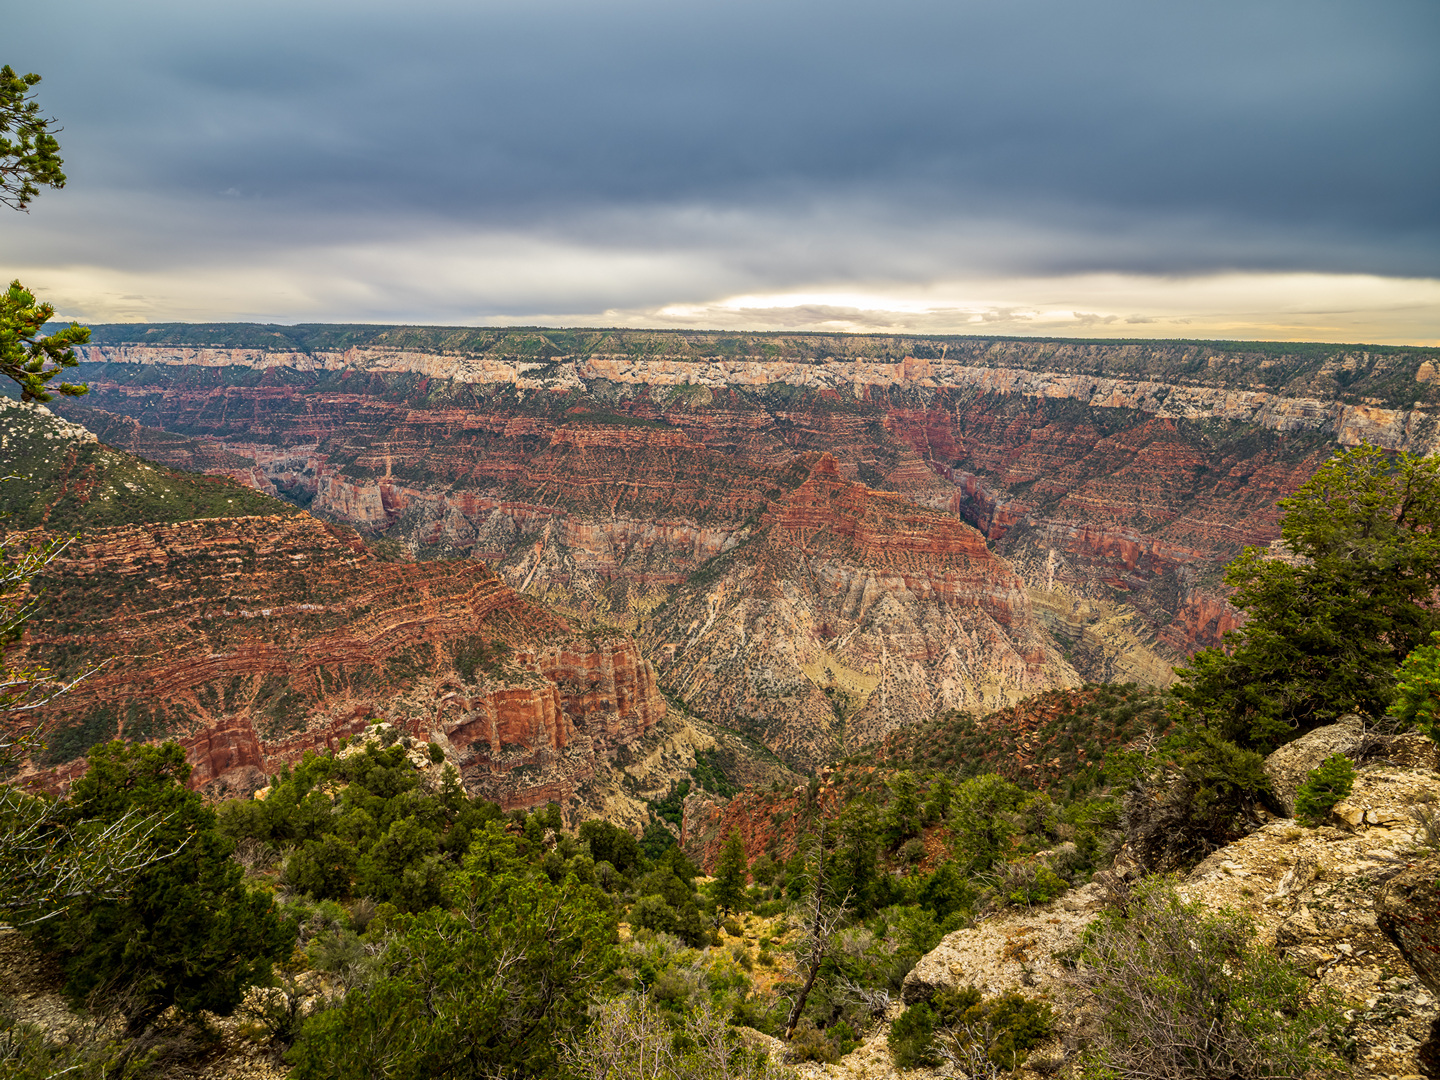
(64, 484)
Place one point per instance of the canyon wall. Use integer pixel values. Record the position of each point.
(1072, 504)
(254, 639)
(1349, 423)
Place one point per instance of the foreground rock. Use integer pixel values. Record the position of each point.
(1326, 898)
(1288, 766)
(1409, 915)
(1015, 951)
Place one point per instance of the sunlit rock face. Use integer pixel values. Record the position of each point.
(990, 517)
(848, 613)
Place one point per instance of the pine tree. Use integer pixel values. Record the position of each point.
(1327, 627)
(730, 873)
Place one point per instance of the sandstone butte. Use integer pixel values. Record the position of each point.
(257, 638)
(815, 540)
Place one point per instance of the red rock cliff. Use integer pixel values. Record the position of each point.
(255, 639)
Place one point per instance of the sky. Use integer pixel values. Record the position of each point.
(1254, 169)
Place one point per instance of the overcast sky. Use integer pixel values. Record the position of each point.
(1217, 169)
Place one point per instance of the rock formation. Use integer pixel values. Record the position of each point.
(1408, 913)
(853, 612)
(600, 471)
(254, 639)
(1318, 895)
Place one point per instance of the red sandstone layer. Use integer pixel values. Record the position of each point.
(255, 639)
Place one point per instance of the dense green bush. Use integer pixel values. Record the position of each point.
(190, 934)
(911, 1038)
(1323, 787)
(1197, 794)
(960, 1025)
(982, 824)
(1417, 691)
(437, 1004)
(360, 826)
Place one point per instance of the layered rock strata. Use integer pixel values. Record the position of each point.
(848, 613)
(1195, 398)
(255, 639)
(599, 471)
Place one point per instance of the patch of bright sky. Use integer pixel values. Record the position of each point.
(391, 287)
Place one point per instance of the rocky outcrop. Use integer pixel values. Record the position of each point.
(1288, 766)
(1015, 952)
(848, 613)
(1408, 913)
(1350, 907)
(255, 639)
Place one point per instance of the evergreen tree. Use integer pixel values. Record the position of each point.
(30, 156)
(730, 873)
(493, 987)
(1327, 627)
(29, 151)
(190, 934)
(902, 815)
(855, 866)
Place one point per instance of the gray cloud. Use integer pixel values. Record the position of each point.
(768, 143)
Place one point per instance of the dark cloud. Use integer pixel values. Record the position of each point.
(785, 138)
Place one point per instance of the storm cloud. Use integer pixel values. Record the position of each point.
(567, 160)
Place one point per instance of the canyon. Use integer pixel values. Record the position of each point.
(814, 539)
(254, 638)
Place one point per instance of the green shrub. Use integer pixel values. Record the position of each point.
(1021, 884)
(653, 913)
(844, 1038)
(809, 1043)
(911, 1038)
(189, 933)
(1417, 691)
(1323, 787)
(1200, 794)
(432, 1004)
(1003, 1029)
(672, 989)
(950, 1006)
(1018, 1026)
(437, 753)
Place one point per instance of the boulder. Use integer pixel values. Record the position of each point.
(1013, 951)
(1408, 912)
(1288, 766)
